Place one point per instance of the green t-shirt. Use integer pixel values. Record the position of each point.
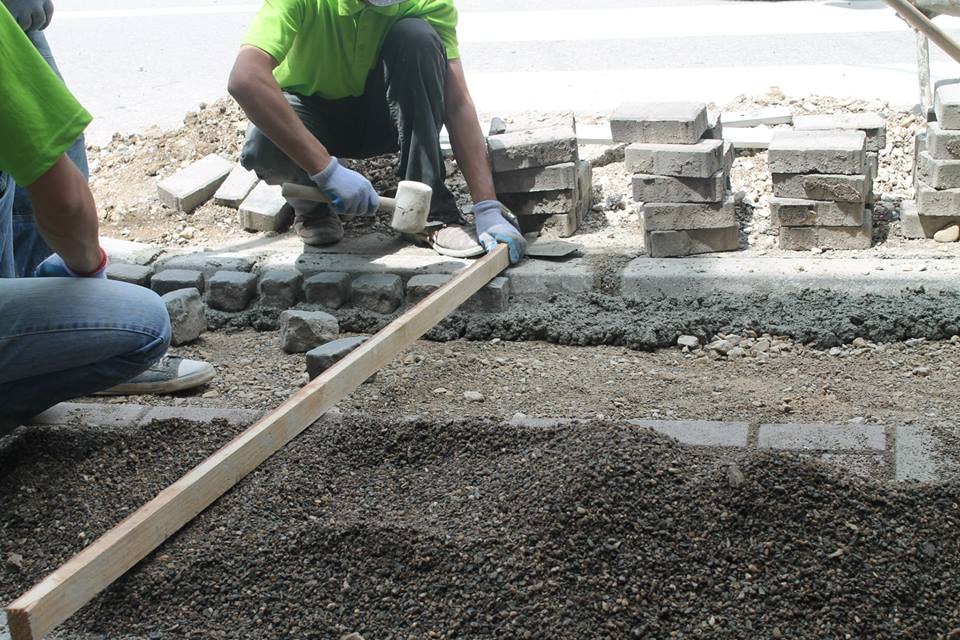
(39, 117)
(328, 47)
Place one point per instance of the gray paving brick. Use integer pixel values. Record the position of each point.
(280, 289)
(942, 203)
(554, 178)
(659, 122)
(838, 238)
(946, 104)
(175, 279)
(265, 209)
(381, 293)
(231, 290)
(207, 263)
(833, 152)
(823, 437)
(236, 187)
(422, 285)
(671, 216)
(943, 144)
(915, 455)
(540, 202)
(530, 148)
(872, 124)
(939, 174)
(836, 188)
(130, 273)
(188, 317)
(325, 356)
(701, 160)
(792, 212)
(91, 414)
(190, 187)
(301, 331)
(673, 244)
(701, 433)
(332, 289)
(493, 298)
(868, 466)
(651, 188)
(913, 225)
(236, 417)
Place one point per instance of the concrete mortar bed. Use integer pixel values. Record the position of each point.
(379, 527)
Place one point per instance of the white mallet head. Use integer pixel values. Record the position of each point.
(412, 208)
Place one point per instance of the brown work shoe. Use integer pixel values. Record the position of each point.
(319, 227)
(454, 240)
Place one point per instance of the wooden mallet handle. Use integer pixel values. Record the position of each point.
(304, 192)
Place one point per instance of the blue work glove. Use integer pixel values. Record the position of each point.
(31, 15)
(349, 192)
(55, 267)
(492, 228)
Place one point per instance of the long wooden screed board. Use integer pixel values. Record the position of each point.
(67, 589)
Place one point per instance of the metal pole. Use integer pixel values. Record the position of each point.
(915, 18)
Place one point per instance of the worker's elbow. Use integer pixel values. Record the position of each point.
(238, 86)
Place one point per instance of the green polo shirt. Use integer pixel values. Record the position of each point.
(328, 47)
(39, 117)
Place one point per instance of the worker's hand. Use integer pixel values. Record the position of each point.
(349, 192)
(493, 227)
(55, 267)
(31, 15)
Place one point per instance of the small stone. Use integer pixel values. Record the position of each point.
(691, 342)
(473, 396)
(15, 560)
(324, 357)
(735, 476)
(736, 352)
(921, 372)
(836, 351)
(950, 234)
(440, 391)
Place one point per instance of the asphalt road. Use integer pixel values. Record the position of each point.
(140, 62)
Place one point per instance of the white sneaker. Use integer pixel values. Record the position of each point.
(169, 375)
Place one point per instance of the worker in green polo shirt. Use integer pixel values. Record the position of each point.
(359, 78)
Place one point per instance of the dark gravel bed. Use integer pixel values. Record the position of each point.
(479, 530)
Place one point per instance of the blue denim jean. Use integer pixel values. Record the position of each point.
(61, 338)
(29, 248)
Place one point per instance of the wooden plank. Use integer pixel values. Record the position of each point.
(74, 584)
(916, 19)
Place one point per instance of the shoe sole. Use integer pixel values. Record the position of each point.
(161, 388)
(420, 241)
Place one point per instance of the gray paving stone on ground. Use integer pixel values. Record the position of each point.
(492, 298)
(236, 187)
(701, 160)
(331, 289)
(280, 289)
(672, 244)
(553, 178)
(234, 417)
(91, 414)
(946, 104)
(652, 188)
(231, 290)
(823, 437)
(837, 238)
(832, 152)
(837, 188)
(795, 212)
(190, 187)
(380, 293)
(208, 263)
(530, 148)
(169, 280)
(188, 318)
(540, 202)
(130, 252)
(939, 174)
(943, 144)
(265, 209)
(915, 455)
(325, 356)
(659, 122)
(867, 466)
(301, 331)
(672, 216)
(872, 124)
(130, 273)
(421, 286)
(701, 433)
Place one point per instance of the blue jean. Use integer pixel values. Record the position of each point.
(61, 338)
(29, 248)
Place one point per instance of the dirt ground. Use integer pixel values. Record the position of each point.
(473, 529)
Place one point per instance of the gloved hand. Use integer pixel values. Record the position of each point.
(31, 15)
(492, 228)
(55, 267)
(349, 192)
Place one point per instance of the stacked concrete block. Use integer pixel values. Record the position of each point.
(680, 175)
(539, 176)
(937, 170)
(822, 181)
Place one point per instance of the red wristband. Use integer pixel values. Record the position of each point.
(100, 267)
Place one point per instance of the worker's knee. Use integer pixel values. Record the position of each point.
(413, 37)
(152, 319)
(260, 155)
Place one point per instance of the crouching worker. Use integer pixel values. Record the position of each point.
(69, 331)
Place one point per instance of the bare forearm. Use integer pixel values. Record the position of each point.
(470, 149)
(66, 215)
(254, 88)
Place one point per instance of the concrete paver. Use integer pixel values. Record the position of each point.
(914, 455)
(823, 437)
(703, 433)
